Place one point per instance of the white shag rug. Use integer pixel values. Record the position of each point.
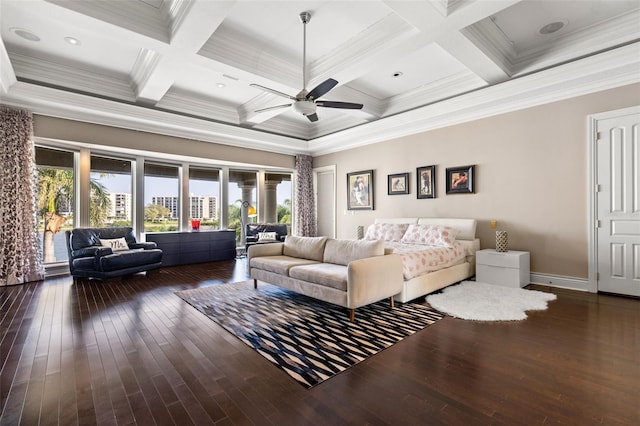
(487, 302)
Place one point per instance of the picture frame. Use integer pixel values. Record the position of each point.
(398, 184)
(360, 190)
(426, 182)
(460, 180)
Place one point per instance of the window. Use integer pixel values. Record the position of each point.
(111, 182)
(242, 189)
(278, 197)
(161, 198)
(204, 197)
(55, 180)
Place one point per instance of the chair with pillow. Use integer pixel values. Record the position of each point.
(265, 233)
(109, 252)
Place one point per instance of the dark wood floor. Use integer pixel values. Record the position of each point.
(131, 352)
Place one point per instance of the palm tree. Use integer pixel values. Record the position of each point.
(55, 187)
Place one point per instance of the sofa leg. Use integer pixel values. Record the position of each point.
(391, 302)
(255, 283)
(352, 315)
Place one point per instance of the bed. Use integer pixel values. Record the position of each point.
(426, 267)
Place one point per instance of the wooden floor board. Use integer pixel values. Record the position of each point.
(129, 351)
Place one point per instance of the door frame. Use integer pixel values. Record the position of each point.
(592, 158)
(333, 169)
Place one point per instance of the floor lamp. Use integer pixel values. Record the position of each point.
(251, 213)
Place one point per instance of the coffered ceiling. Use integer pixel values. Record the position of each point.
(186, 67)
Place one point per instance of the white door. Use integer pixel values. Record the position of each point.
(325, 189)
(618, 204)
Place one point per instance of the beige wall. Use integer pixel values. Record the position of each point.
(75, 131)
(531, 176)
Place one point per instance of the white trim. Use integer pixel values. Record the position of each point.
(571, 283)
(592, 205)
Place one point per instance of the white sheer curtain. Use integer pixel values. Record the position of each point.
(305, 206)
(20, 252)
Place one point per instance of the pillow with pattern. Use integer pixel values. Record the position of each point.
(430, 235)
(267, 236)
(386, 231)
(116, 244)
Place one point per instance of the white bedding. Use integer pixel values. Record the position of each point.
(418, 259)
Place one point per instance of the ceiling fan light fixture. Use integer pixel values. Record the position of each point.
(304, 107)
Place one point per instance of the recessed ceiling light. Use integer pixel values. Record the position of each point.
(552, 27)
(27, 35)
(397, 74)
(221, 85)
(72, 40)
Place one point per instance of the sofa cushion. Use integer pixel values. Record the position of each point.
(305, 247)
(278, 264)
(341, 252)
(325, 274)
(128, 259)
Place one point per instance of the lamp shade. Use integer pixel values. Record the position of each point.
(251, 211)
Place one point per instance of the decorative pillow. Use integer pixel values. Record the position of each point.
(386, 231)
(267, 236)
(116, 244)
(442, 236)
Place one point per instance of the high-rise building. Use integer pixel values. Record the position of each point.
(169, 202)
(120, 207)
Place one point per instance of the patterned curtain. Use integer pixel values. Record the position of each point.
(20, 252)
(305, 206)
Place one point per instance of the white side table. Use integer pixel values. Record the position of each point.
(510, 269)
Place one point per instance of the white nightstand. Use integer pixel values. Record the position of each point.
(509, 269)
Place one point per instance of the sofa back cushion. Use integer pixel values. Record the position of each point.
(341, 252)
(86, 237)
(305, 247)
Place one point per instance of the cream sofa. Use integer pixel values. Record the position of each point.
(349, 273)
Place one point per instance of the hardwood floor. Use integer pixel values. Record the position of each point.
(131, 352)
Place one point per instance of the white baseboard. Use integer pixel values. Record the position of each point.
(559, 281)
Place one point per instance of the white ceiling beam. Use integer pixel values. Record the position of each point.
(446, 31)
(195, 27)
(7, 74)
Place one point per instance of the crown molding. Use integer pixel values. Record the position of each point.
(607, 70)
(73, 106)
(604, 71)
(198, 105)
(143, 67)
(98, 81)
(134, 16)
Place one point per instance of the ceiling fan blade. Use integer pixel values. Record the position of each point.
(312, 117)
(341, 105)
(322, 88)
(272, 108)
(275, 92)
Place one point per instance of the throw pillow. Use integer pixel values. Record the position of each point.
(116, 244)
(442, 236)
(267, 236)
(386, 231)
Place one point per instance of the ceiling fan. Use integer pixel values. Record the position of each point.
(305, 102)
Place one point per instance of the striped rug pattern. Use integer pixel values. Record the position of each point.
(308, 339)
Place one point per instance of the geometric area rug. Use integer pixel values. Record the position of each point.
(308, 339)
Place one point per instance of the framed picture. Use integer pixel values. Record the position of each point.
(426, 181)
(460, 180)
(398, 184)
(360, 190)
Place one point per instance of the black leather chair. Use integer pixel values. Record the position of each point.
(253, 229)
(88, 258)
